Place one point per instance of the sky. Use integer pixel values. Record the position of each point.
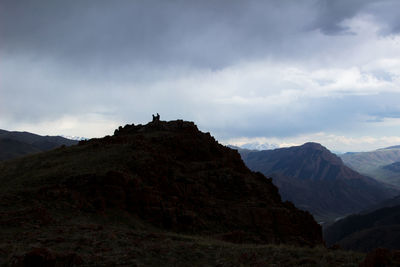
(272, 72)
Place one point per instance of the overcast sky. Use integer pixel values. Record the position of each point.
(282, 72)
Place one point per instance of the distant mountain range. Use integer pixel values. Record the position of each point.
(258, 146)
(73, 137)
(316, 180)
(382, 164)
(17, 144)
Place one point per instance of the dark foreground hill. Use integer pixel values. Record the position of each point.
(364, 232)
(17, 144)
(159, 194)
(317, 180)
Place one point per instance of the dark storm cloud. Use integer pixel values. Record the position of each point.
(387, 13)
(205, 33)
(332, 13)
(202, 33)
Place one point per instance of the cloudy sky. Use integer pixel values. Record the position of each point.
(281, 72)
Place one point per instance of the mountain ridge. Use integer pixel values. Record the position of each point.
(374, 163)
(317, 180)
(14, 144)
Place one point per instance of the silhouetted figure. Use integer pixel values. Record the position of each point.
(156, 118)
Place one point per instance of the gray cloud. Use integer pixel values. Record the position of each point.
(332, 13)
(203, 33)
(351, 114)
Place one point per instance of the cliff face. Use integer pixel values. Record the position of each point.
(169, 175)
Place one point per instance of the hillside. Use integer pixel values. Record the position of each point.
(376, 164)
(317, 180)
(394, 167)
(364, 232)
(161, 182)
(10, 149)
(17, 144)
(391, 202)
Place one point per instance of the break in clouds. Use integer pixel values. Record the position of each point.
(281, 72)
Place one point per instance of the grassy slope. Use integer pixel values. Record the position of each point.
(110, 241)
(47, 166)
(13, 149)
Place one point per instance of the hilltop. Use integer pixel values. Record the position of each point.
(146, 183)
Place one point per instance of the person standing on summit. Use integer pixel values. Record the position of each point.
(156, 118)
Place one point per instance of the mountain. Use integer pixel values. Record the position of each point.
(146, 190)
(364, 232)
(316, 180)
(17, 144)
(10, 148)
(376, 164)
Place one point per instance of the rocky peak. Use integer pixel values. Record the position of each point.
(321, 151)
(177, 178)
(157, 126)
(313, 145)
